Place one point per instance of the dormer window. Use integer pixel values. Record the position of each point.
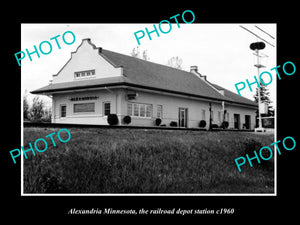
(84, 74)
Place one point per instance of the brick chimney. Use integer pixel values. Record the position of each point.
(194, 70)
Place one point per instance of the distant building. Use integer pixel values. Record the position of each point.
(96, 82)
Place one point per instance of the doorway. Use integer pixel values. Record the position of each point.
(236, 121)
(247, 121)
(182, 117)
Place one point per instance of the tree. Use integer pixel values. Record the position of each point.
(264, 94)
(136, 53)
(175, 62)
(264, 97)
(25, 107)
(47, 115)
(145, 55)
(37, 109)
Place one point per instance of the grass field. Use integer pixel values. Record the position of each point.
(99, 160)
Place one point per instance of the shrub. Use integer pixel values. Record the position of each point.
(225, 125)
(127, 119)
(202, 123)
(213, 126)
(173, 124)
(112, 119)
(157, 121)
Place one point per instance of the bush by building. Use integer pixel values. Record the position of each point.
(173, 124)
(127, 119)
(157, 121)
(112, 119)
(202, 123)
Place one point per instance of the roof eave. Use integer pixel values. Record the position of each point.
(121, 84)
(51, 91)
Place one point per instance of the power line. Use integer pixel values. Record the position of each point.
(256, 35)
(264, 31)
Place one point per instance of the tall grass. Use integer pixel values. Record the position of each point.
(99, 160)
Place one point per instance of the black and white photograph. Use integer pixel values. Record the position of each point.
(172, 114)
(178, 120)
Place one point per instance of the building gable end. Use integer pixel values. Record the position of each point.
(85, 63)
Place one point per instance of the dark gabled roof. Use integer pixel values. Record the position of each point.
(154, 75)
(234, 97)
(149, 75)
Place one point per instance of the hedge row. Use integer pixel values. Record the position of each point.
(112, 119)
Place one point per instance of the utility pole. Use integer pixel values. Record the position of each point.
(256, 46)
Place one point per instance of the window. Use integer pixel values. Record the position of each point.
(63, 111)
(148, 110)
(83, 74)
(142, 110)
(84, 107)
(219, 116)
(203, 114)
(106, 108)
(139, 110)
(159, 111)
(129, 109)
(83, 98)
(136, 109)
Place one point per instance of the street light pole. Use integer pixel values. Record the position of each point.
(258, 65)
(256, 46)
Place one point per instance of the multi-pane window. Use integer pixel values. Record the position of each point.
(84, 74)
(106, 108)
(129, 109)
(148, 111)
(142, 110)
(135, 110)
(139, 110)
(63, 111)
(84, 107)
(159, 111)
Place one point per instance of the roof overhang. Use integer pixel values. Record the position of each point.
(51, 91)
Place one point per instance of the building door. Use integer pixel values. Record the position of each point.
(236, 121)
(182, 117)
(247, 121)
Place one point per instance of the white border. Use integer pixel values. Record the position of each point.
(158, 194)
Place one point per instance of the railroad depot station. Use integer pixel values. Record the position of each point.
(96, 82)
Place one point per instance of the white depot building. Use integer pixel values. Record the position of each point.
(96, 82)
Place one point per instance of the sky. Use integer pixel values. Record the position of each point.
(221, 51)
